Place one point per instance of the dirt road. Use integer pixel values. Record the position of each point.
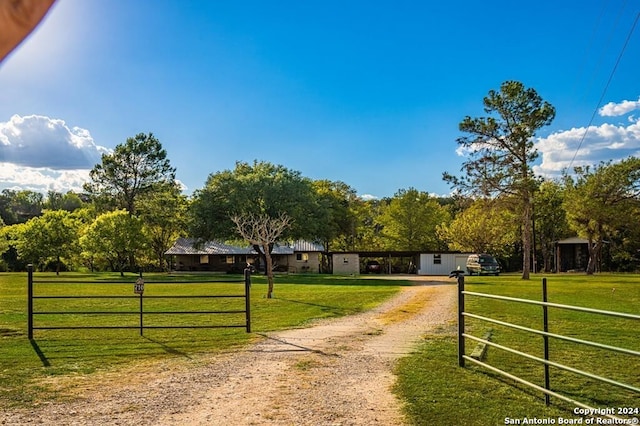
(338, 372)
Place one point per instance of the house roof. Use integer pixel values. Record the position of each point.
(302, 245)
(196, 247)
(573, 240)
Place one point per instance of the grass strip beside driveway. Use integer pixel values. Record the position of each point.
(26, 367)
(437, 391)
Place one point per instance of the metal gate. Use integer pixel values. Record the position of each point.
(119, 292)
(462, 335)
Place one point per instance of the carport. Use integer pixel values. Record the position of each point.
(399, 262)
(393, 262)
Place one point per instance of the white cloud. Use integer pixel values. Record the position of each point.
(41, 153)
(615, 110)
(601, 143)
(41, 179)
(369, 197)
(466, 151)
(43, 142)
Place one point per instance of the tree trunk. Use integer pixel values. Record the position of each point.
(162, 263)
(526, 239)
(132, 261)
(269, 270)
(547, 259)
(594, 250)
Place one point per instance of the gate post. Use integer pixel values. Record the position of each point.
(247, 297)
(141, 316)
(30, 301)
(545, 320)
(140, 283)
(461, 348)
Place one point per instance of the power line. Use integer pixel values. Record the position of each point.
(606, 87)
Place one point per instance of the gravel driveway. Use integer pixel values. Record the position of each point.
(337, 372)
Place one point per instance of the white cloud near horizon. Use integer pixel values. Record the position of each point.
(586, 147)
(369, 197)
(579, 146)
(41, 154)
(42, 142)
(617, 109)
(606, 142)
(41, 179)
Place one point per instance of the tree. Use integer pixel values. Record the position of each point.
(550, 221)
(410, 220)
(133, 170)
(260, 190)
(501, 151)
(484, 227)
(601, 200)
(256, 189)
(262, 231)
(20, 206)
(57, 201)
(5, 243)
(114, 237)
(163, 213)
(336, 200)
(622, 251)
(52, 236)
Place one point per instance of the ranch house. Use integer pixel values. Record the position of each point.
(188, 254)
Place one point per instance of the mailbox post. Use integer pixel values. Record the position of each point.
(138, 288)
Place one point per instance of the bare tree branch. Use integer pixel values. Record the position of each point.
(261, 229)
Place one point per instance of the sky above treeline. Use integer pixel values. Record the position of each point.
(365, 92)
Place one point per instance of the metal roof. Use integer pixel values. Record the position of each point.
(573, 240)
(302, 245)
(194, 246)
(197, 247)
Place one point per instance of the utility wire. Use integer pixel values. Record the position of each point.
(606, 87)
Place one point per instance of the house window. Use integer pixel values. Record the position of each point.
(230, 259)
(204, 258)
(437, 259)
(303, 257)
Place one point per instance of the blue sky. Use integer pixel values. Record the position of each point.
(366, 92)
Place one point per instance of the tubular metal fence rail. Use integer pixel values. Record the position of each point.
(462, 335)
(122, 291)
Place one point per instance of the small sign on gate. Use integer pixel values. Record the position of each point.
(138, 287)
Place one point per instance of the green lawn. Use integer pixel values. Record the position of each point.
(437, 391)
(25, 364)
